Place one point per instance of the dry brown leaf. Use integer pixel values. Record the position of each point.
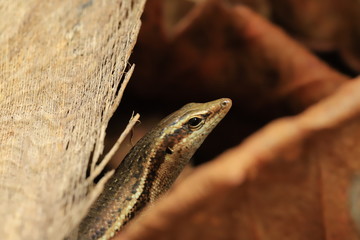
(296, 178)
(291, 180)
(241, 55)
(316, 23)
(323, 25)
(222, 51)
(350, 34)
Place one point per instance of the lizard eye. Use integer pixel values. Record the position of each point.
(195, 122)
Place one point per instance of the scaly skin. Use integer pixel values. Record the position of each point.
(151, 167)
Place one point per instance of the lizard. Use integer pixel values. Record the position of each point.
(150, 167)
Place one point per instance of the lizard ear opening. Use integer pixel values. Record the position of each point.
(169, 150)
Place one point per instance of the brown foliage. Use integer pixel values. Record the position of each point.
(296, 178)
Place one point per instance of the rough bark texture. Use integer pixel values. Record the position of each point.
(61, 64)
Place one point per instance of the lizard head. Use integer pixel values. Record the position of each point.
(180, 135)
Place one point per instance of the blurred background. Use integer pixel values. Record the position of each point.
(273, 58)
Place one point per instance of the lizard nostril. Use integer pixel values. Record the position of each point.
(225, 103)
